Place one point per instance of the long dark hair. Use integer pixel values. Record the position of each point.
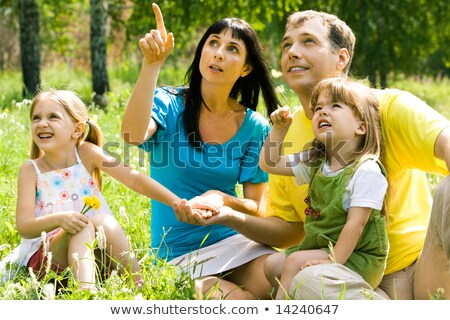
(246, 90)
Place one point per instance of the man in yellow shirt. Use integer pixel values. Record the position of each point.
(317, 46)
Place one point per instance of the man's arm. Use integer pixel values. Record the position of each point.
(442, 147)
(272, 231)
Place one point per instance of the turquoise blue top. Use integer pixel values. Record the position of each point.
(189, 172)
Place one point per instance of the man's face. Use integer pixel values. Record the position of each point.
(308, 56)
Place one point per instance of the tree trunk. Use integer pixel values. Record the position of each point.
(373, 79)
(30, 47)
(100, 83)
(383, 80)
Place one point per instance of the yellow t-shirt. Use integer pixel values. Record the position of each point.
(410, 129)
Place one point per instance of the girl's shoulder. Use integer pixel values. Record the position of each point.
(370, 167)
(28, 171)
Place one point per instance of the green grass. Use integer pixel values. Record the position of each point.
(131, 209)
(161, 280)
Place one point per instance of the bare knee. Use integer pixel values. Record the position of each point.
(273, 267)
(217, 288)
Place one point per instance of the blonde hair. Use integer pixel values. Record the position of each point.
(365, 107)
(75, 107)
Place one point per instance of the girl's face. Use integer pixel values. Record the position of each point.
(52, 127)
(334, 121)
(223, 59)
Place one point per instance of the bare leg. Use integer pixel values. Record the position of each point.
(81, 258)
(218, 288)
(243, 283)
(118, 246)
(292, 267)
(274, 267)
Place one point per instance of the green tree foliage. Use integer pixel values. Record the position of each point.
(398, 36)
(60, 21)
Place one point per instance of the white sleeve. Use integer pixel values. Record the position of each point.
(302, 172)
(367, 187)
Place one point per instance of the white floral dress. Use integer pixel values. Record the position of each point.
(58, 190)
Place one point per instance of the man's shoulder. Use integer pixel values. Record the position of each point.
(390, 95)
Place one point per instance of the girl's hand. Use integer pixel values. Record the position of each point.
(72, 221)
(314, 262)
(157, 44)
(187, 214)
(281, 117)
(210, 200)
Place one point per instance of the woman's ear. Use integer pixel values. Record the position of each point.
(79, 130)
(247, 69)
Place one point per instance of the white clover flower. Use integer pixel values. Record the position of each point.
(123, 213)
(44, 242)
(275, 73)
(198, 290)
(139, 297)
(101, 237)
(48, 265)
(279, 89)
(49, 290)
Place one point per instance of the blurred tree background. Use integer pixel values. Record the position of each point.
(397, 37)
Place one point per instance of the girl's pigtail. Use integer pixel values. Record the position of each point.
(94, 135)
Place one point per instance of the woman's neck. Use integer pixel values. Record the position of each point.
(216, 98)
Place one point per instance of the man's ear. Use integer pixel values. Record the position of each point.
(247, 69)
(79, 130)
(344, 58)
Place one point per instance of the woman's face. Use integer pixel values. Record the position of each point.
(223, 59)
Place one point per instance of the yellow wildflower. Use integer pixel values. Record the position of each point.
(90, 202)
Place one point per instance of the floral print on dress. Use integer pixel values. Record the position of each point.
(65, 189)
(92, 183)
(64, 195)
(66, 174)
(57, 182)
(85, 191)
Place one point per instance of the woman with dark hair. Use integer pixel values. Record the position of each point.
(203, 139)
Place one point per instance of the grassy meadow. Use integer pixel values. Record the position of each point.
(132, 210)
